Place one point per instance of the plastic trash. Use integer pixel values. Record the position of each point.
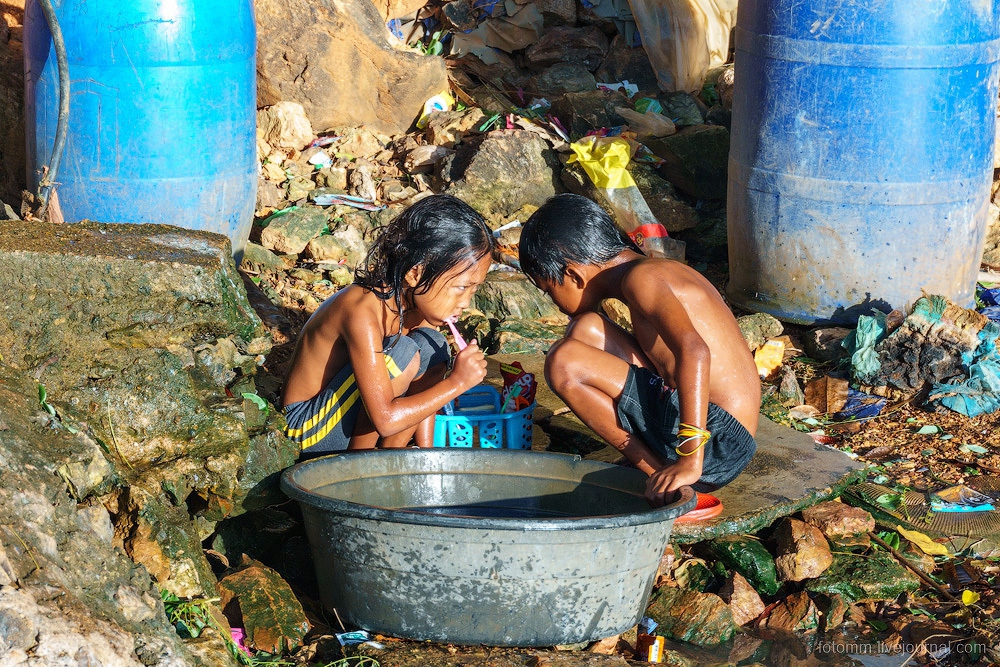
(768, 357)
(605, 160)
(648, 125)
(441, 102)
(960, 498)
(684, 38)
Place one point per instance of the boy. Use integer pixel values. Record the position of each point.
(680, 396)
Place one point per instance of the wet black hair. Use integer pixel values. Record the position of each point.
(438, 232)
(568, 228)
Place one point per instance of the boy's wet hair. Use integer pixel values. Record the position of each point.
(440, 232)
(568, 228)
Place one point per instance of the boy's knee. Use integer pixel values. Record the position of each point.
(559, 362)
(587, 327)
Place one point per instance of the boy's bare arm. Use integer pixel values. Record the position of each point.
(652, 297)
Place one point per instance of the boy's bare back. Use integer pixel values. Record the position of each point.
(663, 297)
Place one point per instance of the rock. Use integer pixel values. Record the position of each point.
(67, 596)
(618, 312)
(336, 60)
(344, 243)
(758, 328)
(991, 244)
(796, 613)
(447, 128)
(625, 63)
(833, 609)
(803, 552)
(873, 576)
(299, 188)
(693, 574)
(257, 599)
(838, 521)
(258, 258)
(333, 178)
(789, 392)
(557, 12)
(358, 142)
(590, 110)
(511, 295)
(562, 78)
(269, 196)
(501, 172)
(290, 232)
(748, 556)
(579, 46)
(423, 159)
(361, 180)
(662, 199)
(724, 86)
(696, 160)
(285, 125)
(825, 344)
(460, 15)
(394, 9)
(744, 602)
(699, 618)
(515, 336)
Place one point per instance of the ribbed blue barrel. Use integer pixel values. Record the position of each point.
(861, 155)
(162, 125)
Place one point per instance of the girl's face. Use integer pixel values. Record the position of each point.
(451, 293)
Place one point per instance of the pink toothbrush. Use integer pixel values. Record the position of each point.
(459, 341)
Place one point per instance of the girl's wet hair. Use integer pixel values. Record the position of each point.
(439, 232)
(568, 228)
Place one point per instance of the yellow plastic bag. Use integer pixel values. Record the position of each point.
(605, 161)
(768, 357)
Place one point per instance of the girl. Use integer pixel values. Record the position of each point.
(369, 367)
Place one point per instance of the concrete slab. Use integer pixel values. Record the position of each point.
(788, 473)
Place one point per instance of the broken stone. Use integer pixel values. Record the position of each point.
(744, 602)
(257, 599)
(299, 188)
(557, 12)
(515, 336)
(758, 328)
(358, 142)
(290, 232)
(803, 552)
(746, 555)
(699, 618)
(562, 78)
(423, 159)
(693, 574)
(337, 61)
(579, 46)
(589, 110)
(873, 576)
(333, 178)
(696, 160)
(257, 258)
(510, 295)
(825, 344)
(789, 392)
(460, 15)
(500, 172)
(625, 63)
(285, 125)
(796, 613)
(838, 521)
(332, 248)
(833, 608)
(361, 180)
(447, 128)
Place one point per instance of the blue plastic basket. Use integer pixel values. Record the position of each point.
(476, 418)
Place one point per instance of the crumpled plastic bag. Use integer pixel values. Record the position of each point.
(648, 125)
(980, 393)
(861, 344)
(605, 161)
(684, 38)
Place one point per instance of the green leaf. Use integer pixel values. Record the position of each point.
(911, 420)
(881, 626)
(929, 429)
(974, 449)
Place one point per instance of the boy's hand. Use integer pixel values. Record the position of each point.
(661, 484)
(470, 366)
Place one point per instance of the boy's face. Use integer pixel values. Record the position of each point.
(567, 295)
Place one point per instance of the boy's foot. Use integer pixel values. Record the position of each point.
(708, 506)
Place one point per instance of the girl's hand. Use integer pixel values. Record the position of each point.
(470, 366)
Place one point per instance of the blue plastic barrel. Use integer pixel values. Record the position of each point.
(861, 155)
(162, 124)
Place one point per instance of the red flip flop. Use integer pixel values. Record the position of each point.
(708, 506)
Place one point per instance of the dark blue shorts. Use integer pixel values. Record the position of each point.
(325, 423)
(650, 410)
